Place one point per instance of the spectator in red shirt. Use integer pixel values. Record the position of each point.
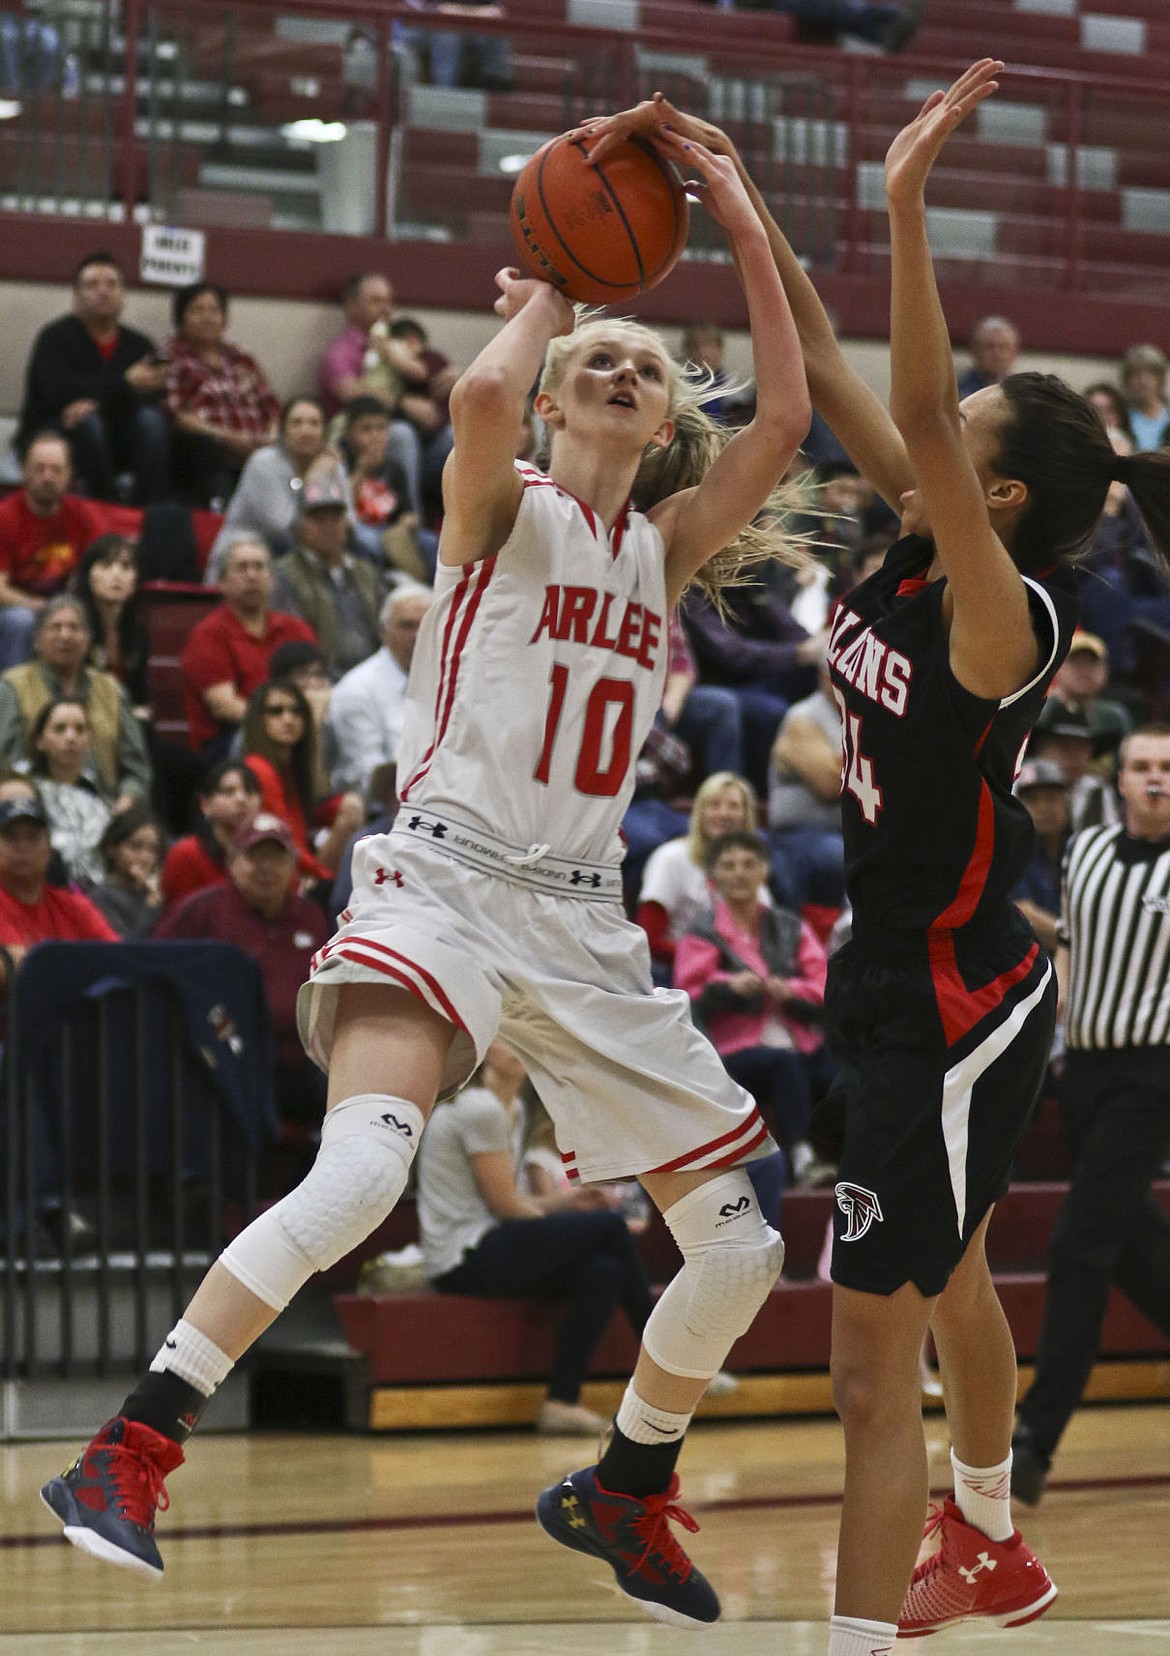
(257, 908)
(228, 799)
(32, 911)
(43, 530)
(227, 654)
(221, 405)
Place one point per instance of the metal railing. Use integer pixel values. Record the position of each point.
(127, 1156)
(143, 106)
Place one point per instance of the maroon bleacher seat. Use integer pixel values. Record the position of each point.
(172, 609)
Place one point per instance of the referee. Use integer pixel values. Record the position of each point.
(1113, 962)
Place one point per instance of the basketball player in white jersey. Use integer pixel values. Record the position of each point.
(494, 904)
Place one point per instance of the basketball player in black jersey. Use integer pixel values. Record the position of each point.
(941, 1008)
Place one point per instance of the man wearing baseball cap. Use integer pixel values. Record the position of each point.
(258, 909)
(31, 911)
(1080, 683)
(339, 595)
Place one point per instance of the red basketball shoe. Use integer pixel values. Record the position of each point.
(108, 1498)
(972, 1578)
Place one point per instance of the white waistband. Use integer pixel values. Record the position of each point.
(530, 865)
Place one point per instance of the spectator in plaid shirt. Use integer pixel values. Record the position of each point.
(220, 402)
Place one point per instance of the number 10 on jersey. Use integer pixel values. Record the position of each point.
(594, 773)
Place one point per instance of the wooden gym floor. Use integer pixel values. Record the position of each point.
(424, 1545)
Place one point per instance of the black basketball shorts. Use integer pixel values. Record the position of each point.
(941, 1053)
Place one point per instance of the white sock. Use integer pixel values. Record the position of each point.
(194, 1358)
(983, 1496)
(848, 1636)
(642, 1423)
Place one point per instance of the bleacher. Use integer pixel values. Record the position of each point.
(209, 144)
(439, 1360)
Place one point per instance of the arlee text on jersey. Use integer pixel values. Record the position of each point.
(568, 613)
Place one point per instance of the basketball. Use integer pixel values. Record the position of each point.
(602, 234)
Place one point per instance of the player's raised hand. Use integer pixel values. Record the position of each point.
(718, 185)
(917, 147)
(650, 119)
(516, 291)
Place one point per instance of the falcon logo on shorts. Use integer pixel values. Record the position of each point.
(861, 1209)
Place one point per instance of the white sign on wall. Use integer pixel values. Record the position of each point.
(171, 257)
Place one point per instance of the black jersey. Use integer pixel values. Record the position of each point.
(934, 838)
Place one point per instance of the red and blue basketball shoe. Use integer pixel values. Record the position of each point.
(634, 1537)
(972, 1578)
(108, 1498)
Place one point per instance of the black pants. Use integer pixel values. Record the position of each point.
(778, 1080)
(588, 1259)
(103, 446)
(202, 469)
(1116, 1108)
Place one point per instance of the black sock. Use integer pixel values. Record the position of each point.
(166, 1404)
(629, 1468)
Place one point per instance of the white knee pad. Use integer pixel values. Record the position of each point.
(367, 1146)
(731, 1258)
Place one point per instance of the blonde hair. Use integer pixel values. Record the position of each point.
(697, 443)
(698, 845)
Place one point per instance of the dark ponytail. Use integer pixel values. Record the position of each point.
(1147, 477)
(1053, 441)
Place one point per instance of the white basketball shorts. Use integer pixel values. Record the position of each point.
(631, 1086)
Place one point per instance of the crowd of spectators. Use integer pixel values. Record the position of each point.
(294, 680)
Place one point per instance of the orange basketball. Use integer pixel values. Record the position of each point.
(600, 234)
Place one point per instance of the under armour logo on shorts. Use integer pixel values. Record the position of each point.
(385, 874)
(579, 877)
(399, 1126)
(437, 830)
(861, 1209)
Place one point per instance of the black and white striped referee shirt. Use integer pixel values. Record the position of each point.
(1116, 922)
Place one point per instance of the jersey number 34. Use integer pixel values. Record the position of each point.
(857, 775)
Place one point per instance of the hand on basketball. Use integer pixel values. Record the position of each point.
(718, 185)
(917, 147)
(516, 291)
(650, 119)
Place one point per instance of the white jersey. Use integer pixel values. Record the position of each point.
(536, 677)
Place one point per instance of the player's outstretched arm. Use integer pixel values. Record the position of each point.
(699, 522)
(992, 646)
(838, 393)
(481, 489)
